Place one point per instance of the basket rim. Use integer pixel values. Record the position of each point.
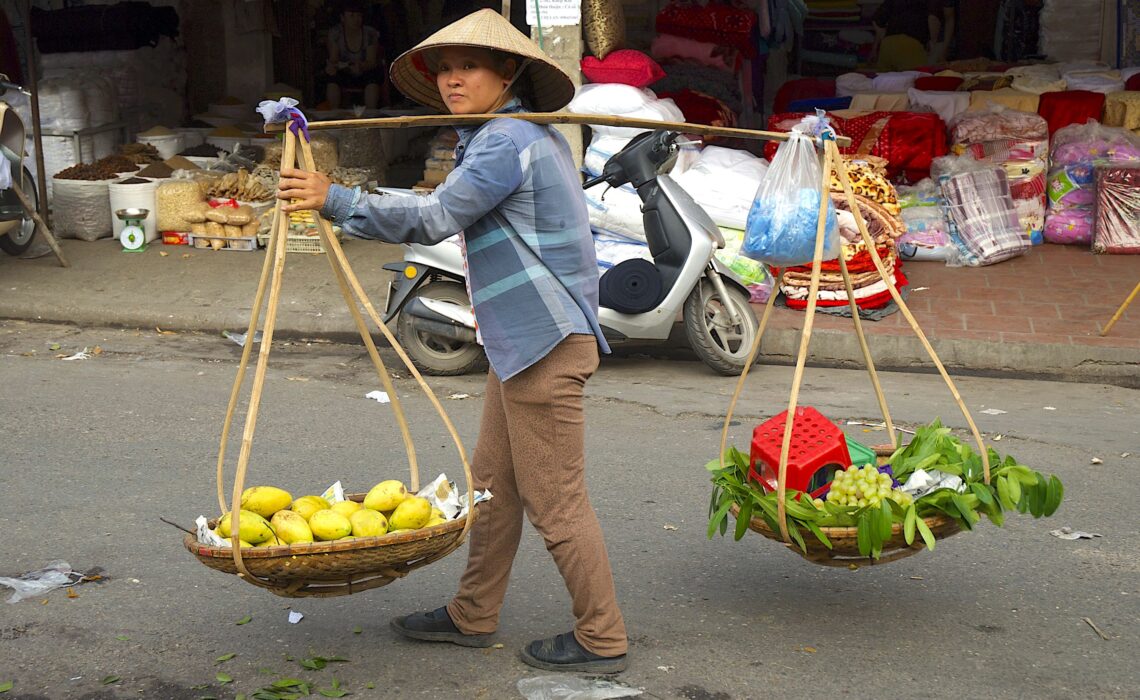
(325, 547)
(938, 524)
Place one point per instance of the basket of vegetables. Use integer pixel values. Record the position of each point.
(930, 489)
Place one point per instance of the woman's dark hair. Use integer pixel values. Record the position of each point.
(357, 6)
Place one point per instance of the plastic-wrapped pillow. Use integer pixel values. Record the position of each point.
(1105, 81)
(1072, 186)
(607, 98)
(1070, 226)
(850, 84)
(900, 81)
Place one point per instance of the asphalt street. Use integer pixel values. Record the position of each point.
(95, 451)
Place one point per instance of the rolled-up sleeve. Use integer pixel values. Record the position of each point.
(489, 172)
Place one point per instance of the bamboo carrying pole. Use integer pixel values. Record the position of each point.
(428, 120)
(833, 160)
(27, 204)
(1120, 312)
(271, 278)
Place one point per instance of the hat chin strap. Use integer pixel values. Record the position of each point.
(506, 88)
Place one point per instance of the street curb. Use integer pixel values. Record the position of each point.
(901, 353)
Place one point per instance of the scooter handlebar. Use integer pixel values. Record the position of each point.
(593, 181)
(5, 85)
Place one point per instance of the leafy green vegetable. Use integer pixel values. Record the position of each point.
(1012, 486)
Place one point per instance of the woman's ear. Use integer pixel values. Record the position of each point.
(509, 67)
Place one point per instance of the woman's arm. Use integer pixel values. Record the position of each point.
(371, 50)
(489, 173)
(333, 42)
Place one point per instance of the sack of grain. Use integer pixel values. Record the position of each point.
(176, 202)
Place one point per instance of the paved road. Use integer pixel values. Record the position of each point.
(95, 451)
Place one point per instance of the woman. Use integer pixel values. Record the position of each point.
(532, 275)
(908, 33)
(353, 58)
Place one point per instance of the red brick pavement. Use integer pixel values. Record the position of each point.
(1052, 295)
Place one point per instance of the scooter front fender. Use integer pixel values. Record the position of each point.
(407, 278)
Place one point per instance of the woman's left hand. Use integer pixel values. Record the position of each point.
(311, 189)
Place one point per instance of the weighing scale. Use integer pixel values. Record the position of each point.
(133, 236)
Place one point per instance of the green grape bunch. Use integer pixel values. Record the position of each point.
(864, 486)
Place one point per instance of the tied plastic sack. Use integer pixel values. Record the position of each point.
(571, 688)
(33, 584)
(781, 225)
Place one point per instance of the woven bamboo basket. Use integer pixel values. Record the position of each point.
(325, 569)
(845, 550)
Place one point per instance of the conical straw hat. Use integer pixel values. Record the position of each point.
(486, 29)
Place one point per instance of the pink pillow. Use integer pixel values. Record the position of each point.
(625, 66)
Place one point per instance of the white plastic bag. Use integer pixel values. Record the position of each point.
(36, 583)
(573, 688)
(781, 226)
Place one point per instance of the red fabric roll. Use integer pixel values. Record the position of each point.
(942, 83)
(1061, 109)
(716, 22)
(700, 108)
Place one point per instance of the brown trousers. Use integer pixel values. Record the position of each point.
(531, 455)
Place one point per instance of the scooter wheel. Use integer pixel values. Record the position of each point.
(19, 239)
(430, 353)
(719, 343)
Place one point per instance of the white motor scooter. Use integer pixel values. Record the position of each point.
(436, 324)
(17, 228)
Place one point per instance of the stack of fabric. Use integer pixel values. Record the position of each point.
(1077, 151)
(705, 46)
(979, 206)
(835, 33)
(1017, 141)
(869, 289)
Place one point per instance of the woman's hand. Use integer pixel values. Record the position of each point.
(311, 189)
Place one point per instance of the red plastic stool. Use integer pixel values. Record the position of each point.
(817, 443)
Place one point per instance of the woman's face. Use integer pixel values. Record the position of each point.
(352, 19)
(468, 81)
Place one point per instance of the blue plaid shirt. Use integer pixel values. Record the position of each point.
(516, 196)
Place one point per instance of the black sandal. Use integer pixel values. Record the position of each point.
(437, 626)
(563, 652)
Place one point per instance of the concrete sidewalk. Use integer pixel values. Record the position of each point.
(179, 288)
